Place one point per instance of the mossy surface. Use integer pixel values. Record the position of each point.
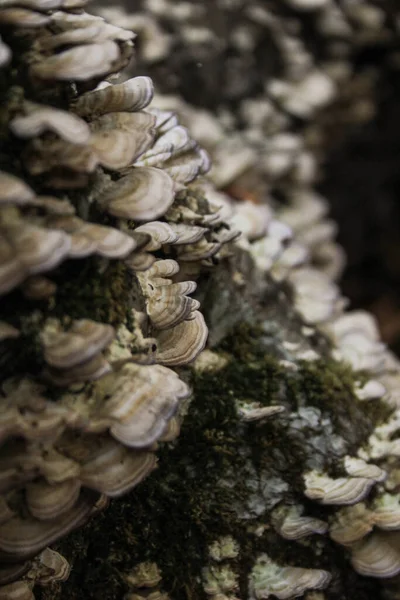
(86, 289)
(185, 505)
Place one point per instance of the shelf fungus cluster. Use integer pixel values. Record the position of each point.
(93, 183)
(277, 453)
(281, 113)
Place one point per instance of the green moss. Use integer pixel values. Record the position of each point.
(329, 386)
(84, 290)
(180, 509)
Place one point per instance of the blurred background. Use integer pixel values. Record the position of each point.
(219, 54)
(362, 184)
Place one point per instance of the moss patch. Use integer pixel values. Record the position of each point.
(180, 509)
(86, 291)
(83, 292)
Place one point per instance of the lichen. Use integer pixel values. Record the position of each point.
(174, 516)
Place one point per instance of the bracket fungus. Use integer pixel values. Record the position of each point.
(292, 525)
(377, 555)
(269, 579)
(343, 490)
(131, 226)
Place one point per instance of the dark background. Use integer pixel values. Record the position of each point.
(362, 183)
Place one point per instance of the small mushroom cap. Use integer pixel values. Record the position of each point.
(110, 242)
(356, 467)
(17, 469)
(164, 268)
(351, 524)
(160, 234)
(23, 538)
(66, 20)
(344, 490)
(144, 194)
(286, 259)
(119, 138)
(54, 206)
(92, 369)
(48, 501)
(88, 238)
(184, 168)
(27, 250)
(132, 95)
(292, 526)
(140, 261)
(40, 250)
(114, 470)
(304, 203)
(66, 349)
(174, 142)
(49, 566)
(14, 190)
(136, 403)
(79, 64)
(183, 343)
(198, 251)
(377, 555)
(118, 148)
(187, 234)
(40, 119)
(167, 303)
(132, 123)
(154, 42)
(165, 119)
(386, 511)
(268, 578)
(98, 32)
(42, 155)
